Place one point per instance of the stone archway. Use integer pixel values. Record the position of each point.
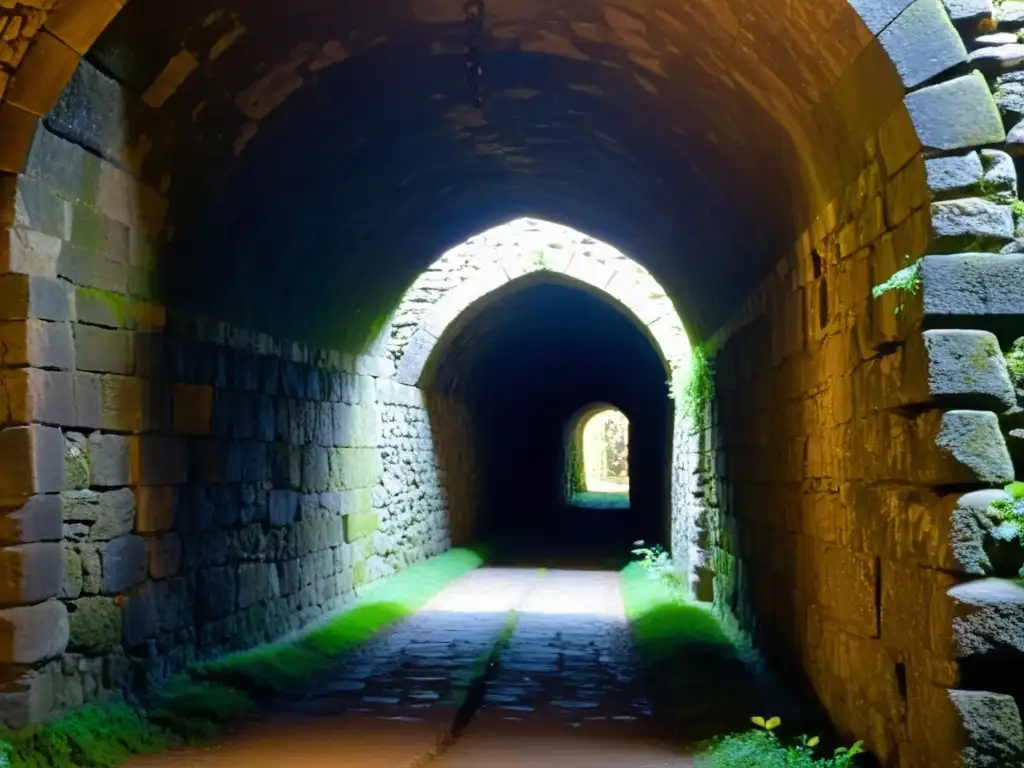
(458, 285)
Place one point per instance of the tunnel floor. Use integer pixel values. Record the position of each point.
(503, 667)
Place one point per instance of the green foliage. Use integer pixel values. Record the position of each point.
(90, 737)
(1018, 208)
(760, 747)
(907, 280)
(1015, 362)
(699, 389)
(659, 566)
(1009, 514)
(701, 677)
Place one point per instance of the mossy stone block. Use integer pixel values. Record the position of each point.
(359, 525)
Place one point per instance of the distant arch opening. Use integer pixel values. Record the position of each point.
(597, 471)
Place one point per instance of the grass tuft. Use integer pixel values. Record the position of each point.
(703, 679)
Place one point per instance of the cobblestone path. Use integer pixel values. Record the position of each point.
(565, 684)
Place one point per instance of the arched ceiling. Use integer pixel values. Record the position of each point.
(319, 154)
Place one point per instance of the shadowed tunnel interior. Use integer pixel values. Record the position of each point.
(215, 213)
(525, 363)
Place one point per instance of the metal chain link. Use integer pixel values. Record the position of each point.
(474, 12)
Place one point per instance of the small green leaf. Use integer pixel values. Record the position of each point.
(774, 723)
(1016, 490)
(813, 741)
(758, 721)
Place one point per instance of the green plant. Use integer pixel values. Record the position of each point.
(1015, 362)
(699, 388)
(907, 280)
(760, 747)
(1009, 514)
(92, 736)
(1018, 208)
(659, 566)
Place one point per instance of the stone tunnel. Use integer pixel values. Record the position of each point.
(261, 344)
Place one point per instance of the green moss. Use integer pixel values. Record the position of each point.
(1018, 208)
(906, 280)
(699, 389)
(115, 303)
(1015, 362)
(359, 525)
(91, 736)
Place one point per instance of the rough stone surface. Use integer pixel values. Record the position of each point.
(993, 733)
(991, 617)
(958, 114)
(922, 42)
(972, 285)
(970, 223)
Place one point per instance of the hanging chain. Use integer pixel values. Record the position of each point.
(474, 11)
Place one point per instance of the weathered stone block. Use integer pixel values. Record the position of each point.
(37, 343)
(992, 731)
(360, 524)
(257, 582)
(30, 296)
(30, 573)
(95, 625)
(110, 460)
(32, 395)
(969, 11)
(957, 114)
(990, 617)
(353, 468)
(954, 176)
(970, 223)
(26, 521)
(972, 285)
(88, 399)
(35, 633)
(922, 42)
(971, 449)
(29, 700)
(125, 564)
(103, 350)
(31, 461)
(963, 369)
(34, 206)
(27, 252)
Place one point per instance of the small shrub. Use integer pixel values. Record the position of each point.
(659, 566)
(760, 747)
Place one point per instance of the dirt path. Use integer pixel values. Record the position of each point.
(566, 685)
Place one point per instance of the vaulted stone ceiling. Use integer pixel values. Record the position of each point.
(319, 154)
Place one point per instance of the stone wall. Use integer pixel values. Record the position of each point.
(173, 488)
(841, 497)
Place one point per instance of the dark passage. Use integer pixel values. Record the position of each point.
(526, 363)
